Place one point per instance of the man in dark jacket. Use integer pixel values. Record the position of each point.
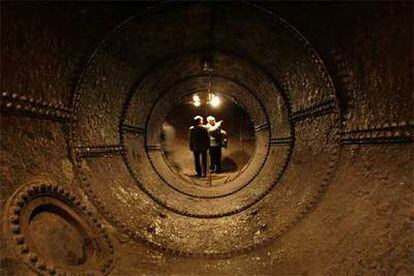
(199, 144)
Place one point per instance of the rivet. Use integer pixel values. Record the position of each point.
(403, 124)
(17, 210)
(162, 215)
(16, 229)
(25, 196)
(19, 239)
(20, 202)
(24, 249)
(43, 187)
(33, 257)
(41, 266)
(30, 191)
(14, 219)
(51, 270)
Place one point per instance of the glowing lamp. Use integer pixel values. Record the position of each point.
(215, 101)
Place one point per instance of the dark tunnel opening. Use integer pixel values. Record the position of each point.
(96, 104)
(240, 136)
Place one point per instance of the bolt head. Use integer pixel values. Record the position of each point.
(33, 257)
(16, 229)
(24, 249)
(19, 239)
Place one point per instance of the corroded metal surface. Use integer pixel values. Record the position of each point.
(341, 203)
(141, 163)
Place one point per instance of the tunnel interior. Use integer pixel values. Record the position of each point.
(97, 100)
(239, 127)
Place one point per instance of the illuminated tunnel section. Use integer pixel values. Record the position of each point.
(273, 73)
(239, 144)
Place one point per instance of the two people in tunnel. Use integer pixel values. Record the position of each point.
(203, 138)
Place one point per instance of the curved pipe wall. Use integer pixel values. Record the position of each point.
(248, 66)
(318, 142)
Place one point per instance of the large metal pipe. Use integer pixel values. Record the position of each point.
(330, 175)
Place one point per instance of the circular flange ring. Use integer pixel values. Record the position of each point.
(40, 196)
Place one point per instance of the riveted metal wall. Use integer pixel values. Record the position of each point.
(330, 195)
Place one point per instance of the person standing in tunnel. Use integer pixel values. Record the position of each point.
(216, 140)
(199, 144)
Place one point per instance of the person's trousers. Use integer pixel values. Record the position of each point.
(201, 168)
(215, 157)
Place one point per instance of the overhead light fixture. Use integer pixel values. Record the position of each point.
(215, 101)
(196, 100)
(212, 100)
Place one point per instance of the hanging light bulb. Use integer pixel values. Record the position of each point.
(215, 101)
(196, 100)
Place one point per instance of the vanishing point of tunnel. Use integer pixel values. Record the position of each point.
(97, 177)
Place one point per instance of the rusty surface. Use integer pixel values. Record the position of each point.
(54, 232)
(331, 196)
